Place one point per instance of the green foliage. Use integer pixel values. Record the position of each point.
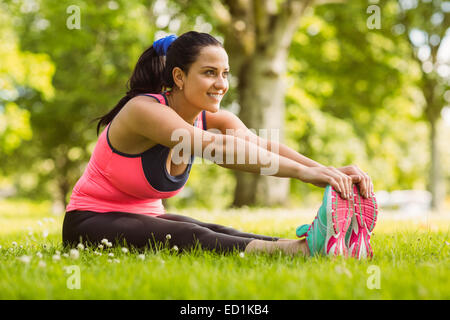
(353, 97)
(354, 94)
(15, 127)
(19, 70)
(93, 64)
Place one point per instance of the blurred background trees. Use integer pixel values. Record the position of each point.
(341, 91)
(427, 25)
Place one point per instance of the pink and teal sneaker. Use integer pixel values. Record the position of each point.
(363, 222)
(326, 234)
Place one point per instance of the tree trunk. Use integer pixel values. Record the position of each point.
(433, 113)
(436, 186)
(258, 35)
(432, 88)
(262, 107)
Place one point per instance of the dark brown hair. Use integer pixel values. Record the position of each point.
(153, 72)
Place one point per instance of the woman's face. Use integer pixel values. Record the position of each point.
(207, 80)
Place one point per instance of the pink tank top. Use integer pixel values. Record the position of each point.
(118, 182)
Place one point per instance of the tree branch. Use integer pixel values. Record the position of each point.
(220, 13)
(286, 22)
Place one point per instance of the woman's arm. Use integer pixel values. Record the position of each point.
(164, 126)
(358, 176)
(226, 121)
(279, 166)
(290, 153)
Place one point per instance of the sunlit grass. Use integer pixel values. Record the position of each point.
(411, 254)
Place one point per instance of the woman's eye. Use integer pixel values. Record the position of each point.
(211, 72)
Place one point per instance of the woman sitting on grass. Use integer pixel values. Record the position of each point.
(132, 168)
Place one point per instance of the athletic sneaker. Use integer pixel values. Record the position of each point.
(326, 234)
(363, 222)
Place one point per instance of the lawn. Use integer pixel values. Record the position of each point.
(412, 260)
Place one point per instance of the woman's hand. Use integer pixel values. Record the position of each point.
(360, 177)
(323, 176)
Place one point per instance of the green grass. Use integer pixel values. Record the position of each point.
(412, 256)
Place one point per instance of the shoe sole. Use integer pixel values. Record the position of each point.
(339, 214)
(366, 213)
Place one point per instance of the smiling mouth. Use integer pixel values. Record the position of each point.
(215, 96)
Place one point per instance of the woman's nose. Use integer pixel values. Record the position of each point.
(221, 83)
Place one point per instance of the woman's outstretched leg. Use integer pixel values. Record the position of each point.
(216, 227)
(264, 243)
(140, 231)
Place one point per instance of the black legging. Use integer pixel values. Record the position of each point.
(143, 231)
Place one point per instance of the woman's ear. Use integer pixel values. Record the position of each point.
(178, 77)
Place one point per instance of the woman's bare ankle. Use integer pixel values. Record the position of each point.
(288, 246)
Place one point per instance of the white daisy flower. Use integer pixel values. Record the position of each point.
(116, 261)
(141, 257)
(45, 233)
(65, 255)
(25, 259)
(104, 241)
(242, 255)
(80, 246)
(56, 257)
(124, 250)
(109, 244)
(100, 246)
(168, 236)
(111, 254)
(74, 254)
(39, 254)
(14, 244)
(175, 248)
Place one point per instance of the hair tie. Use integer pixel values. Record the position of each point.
(163, 44)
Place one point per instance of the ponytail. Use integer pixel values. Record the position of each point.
(146, 78)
